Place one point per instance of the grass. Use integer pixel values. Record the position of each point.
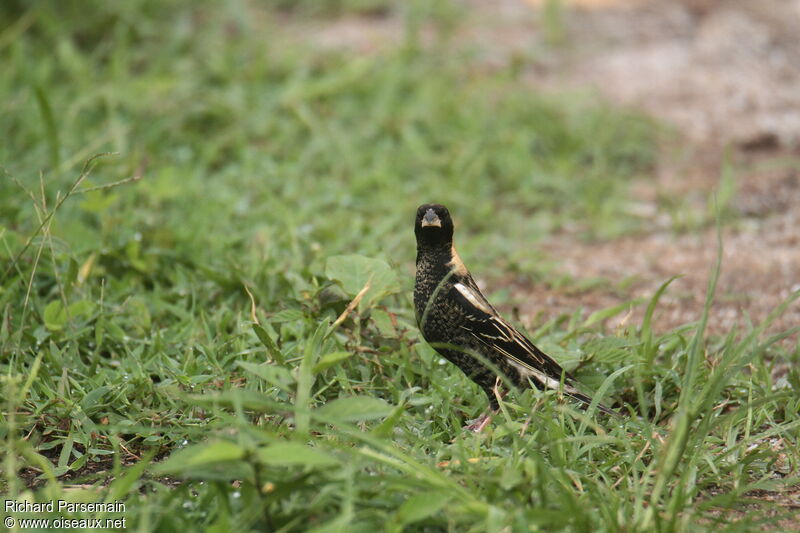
(169, 331)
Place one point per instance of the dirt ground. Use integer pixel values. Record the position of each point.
(725, 74)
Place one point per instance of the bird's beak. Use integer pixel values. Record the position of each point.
(431, 219)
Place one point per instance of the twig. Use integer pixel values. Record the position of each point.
(350, 307)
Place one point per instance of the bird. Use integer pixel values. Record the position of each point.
(457, 320)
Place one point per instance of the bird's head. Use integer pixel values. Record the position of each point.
(433, 225)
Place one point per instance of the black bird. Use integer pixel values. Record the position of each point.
(461, 325)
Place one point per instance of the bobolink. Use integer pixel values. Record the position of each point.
(461, 325)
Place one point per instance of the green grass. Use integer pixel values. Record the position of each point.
(136, 366)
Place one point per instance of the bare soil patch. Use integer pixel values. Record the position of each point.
(760, 260)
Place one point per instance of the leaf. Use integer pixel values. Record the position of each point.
(78, 463)
(270, 345)
(421, 506)
(239, 398)
(114, 330)
(609, 350)
(55, 316)
(50, 126)
(90, 402)
(354, 409)
(277, 376)
(294, 454)
(353, 272)
(98, 201)
(647, 333)
(603, 314)
(495, 519)
(305, 381)
(287, 315)
(327, 361)
(651, 307)
(81, 308)
(385, 428)
(70, 278)
(123, 484)
(217, 277)
(202, 454)
(99, 331)
(383, 321)
(139, 313)
(66, 452)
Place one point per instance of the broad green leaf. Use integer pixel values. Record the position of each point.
(294, 454)
(116, 332)
(287, 315)
(78, 463)
(81, 309)
(123, 484)
(329, 360)
(90, 401)
(202, 454)
(383, 321)
(495, 519)
(277, 376)
(98, 201)
(609, 349)
(99, 330)
(139, 313)
(270, 345)
(71, 277)
(218, 277)
(384, 429)
(354, 409)
(66, 452)
(55, 316)
(354, 271)
(421, 506)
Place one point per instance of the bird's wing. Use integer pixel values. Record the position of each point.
(489, 328)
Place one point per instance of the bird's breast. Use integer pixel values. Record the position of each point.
(437, 316)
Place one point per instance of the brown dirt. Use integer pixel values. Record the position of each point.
(760, 260)
(723, 71)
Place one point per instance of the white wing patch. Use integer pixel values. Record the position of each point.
(544, 379)
(474, 298)
(541, 377)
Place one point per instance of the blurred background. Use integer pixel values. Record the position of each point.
(177, 174)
